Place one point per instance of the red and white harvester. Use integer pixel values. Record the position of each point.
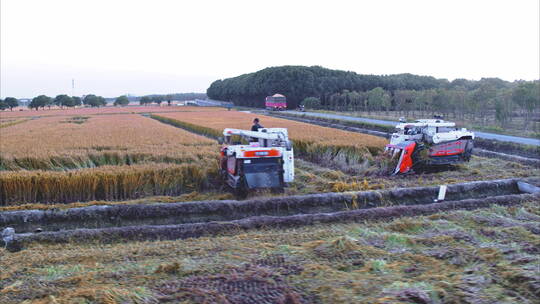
(264, 160)
(429, 143)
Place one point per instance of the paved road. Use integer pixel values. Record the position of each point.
(213, 103)
(508, 138)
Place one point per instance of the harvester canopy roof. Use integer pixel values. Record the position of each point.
(426, 123)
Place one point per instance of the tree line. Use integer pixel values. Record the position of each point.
(168, 98)
(8, 103)
(158, 99)
(320, 88)
(473, 105)
(64, 100)
(299, 82)
(92, 100)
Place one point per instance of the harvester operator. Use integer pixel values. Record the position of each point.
(256, 126)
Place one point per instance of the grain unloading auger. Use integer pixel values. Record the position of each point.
(429, 143)
(266, 161)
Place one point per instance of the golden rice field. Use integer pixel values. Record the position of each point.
(56, 111)
(121, 156)
(297, 130)
(103, 183)
(105, 157)
(80, 155)
(316, 143)
(90, 141)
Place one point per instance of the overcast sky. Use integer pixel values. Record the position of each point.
(141, 47)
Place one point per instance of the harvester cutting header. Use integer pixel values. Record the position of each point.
(266, 161)
(429, 142)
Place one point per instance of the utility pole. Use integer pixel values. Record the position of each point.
(72, 86)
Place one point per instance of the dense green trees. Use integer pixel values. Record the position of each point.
(321, 88)
(527, 96)
(300, 82)
(312, 102)
(151, 99)
(169, 98)
(94, 101)
(474, 105)
(11, 102)
(65, 101)
(379, 99)
(76, 101)
(8, 103)
(40, 101)
(145, 100)
(157, 99)
(121, 101)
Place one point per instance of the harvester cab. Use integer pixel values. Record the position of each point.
(429, 142)
(265, 159)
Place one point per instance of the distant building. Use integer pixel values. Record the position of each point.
(184, 102)
(24, 102)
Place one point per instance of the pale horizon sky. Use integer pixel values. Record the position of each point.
(118, 47)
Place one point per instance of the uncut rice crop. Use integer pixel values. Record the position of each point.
(107, 157)
(320, 144)
(90, 141)
(104, 183)
(56, 111)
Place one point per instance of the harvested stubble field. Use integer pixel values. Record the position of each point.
(343, 149)
(485, 256)
(108, 157)
(479, 168)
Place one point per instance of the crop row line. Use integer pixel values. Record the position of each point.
(179, 231)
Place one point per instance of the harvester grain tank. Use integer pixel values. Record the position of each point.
(428, 143)
(264, 160)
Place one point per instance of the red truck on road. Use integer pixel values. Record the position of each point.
(276, 102)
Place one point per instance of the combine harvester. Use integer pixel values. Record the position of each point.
(267, 161)
(428, 143)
